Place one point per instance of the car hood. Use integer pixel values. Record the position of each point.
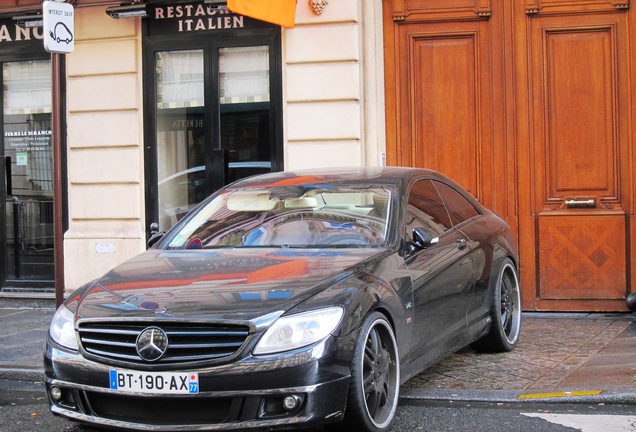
(224, 284)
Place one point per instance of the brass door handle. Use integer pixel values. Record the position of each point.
(580, 203)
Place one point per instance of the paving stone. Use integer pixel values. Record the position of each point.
(569, 350)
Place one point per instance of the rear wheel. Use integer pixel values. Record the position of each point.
(505, 312)
(375, 377)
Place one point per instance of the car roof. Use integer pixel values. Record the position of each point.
(379, 175)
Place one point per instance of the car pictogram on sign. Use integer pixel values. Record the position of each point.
(61, 33)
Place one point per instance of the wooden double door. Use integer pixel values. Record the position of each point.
(530, 105)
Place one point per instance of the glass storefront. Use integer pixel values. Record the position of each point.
(216, 107)
(27, 153)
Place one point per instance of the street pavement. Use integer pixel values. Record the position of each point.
(564, 357)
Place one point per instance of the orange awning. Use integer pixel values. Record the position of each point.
(281, 12)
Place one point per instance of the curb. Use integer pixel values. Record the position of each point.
(22, 374)
(617, 396)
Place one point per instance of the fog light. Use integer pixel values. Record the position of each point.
(56, 394)
(290, 403)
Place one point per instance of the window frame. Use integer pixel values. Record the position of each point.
(210, 43)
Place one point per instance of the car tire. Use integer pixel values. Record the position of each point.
(375, 377)
(505, 312)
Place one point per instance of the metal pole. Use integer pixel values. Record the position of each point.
(58, 215)
(16, 238)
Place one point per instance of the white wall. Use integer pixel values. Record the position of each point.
(105, 146)
(333, 84)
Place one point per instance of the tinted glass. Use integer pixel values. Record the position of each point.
(244, 97)
(28, 158)
(180, 135)
(459, 208)
(426, 209)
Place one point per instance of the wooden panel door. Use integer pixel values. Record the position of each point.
(579, 161)
(529, 105)
(444, 92)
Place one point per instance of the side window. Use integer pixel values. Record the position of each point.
(425, 209)
(459, 208)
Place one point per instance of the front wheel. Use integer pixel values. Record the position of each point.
(505, 313)
(375, 377)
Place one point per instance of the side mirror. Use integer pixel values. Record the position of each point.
(422, 238)
(155, 234)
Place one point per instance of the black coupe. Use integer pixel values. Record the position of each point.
(288, 300)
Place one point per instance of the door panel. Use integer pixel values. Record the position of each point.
(446, 100)
(446, 92)
(582, 257)
(445, 71)
(578, 158)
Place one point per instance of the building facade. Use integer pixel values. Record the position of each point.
(527, 103)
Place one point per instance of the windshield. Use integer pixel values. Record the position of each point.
(322, 216)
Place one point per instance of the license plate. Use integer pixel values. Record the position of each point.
(155, 382)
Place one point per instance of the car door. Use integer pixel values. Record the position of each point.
(442, 273)
(469, 221)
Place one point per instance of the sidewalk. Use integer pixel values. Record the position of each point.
(567, 357)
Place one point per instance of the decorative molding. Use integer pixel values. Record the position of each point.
(441, 10)
(318, 5)
(484, 8)
(534, 7)
(554, 206)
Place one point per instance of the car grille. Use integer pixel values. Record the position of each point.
(159, 410)
(186, 342)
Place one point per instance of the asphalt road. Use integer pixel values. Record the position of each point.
(23, 408)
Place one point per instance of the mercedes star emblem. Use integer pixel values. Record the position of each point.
(152, 344)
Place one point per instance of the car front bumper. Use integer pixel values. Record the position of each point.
(242, 395)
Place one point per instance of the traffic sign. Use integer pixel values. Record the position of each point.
(59, 27)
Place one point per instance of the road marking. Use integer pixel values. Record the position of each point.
(590, 423)
(559, 394)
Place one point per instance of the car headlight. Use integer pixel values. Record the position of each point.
(62, 330)
(299, 330)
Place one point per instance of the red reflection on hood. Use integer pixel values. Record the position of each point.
(283, 270)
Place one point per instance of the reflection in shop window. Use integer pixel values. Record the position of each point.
(244, 98)
(28, 155)
(180, 133)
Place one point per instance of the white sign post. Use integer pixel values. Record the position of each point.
(59, 27)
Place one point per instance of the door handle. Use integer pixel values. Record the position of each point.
(580, 203)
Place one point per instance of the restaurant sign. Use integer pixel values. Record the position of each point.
(196, 17)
